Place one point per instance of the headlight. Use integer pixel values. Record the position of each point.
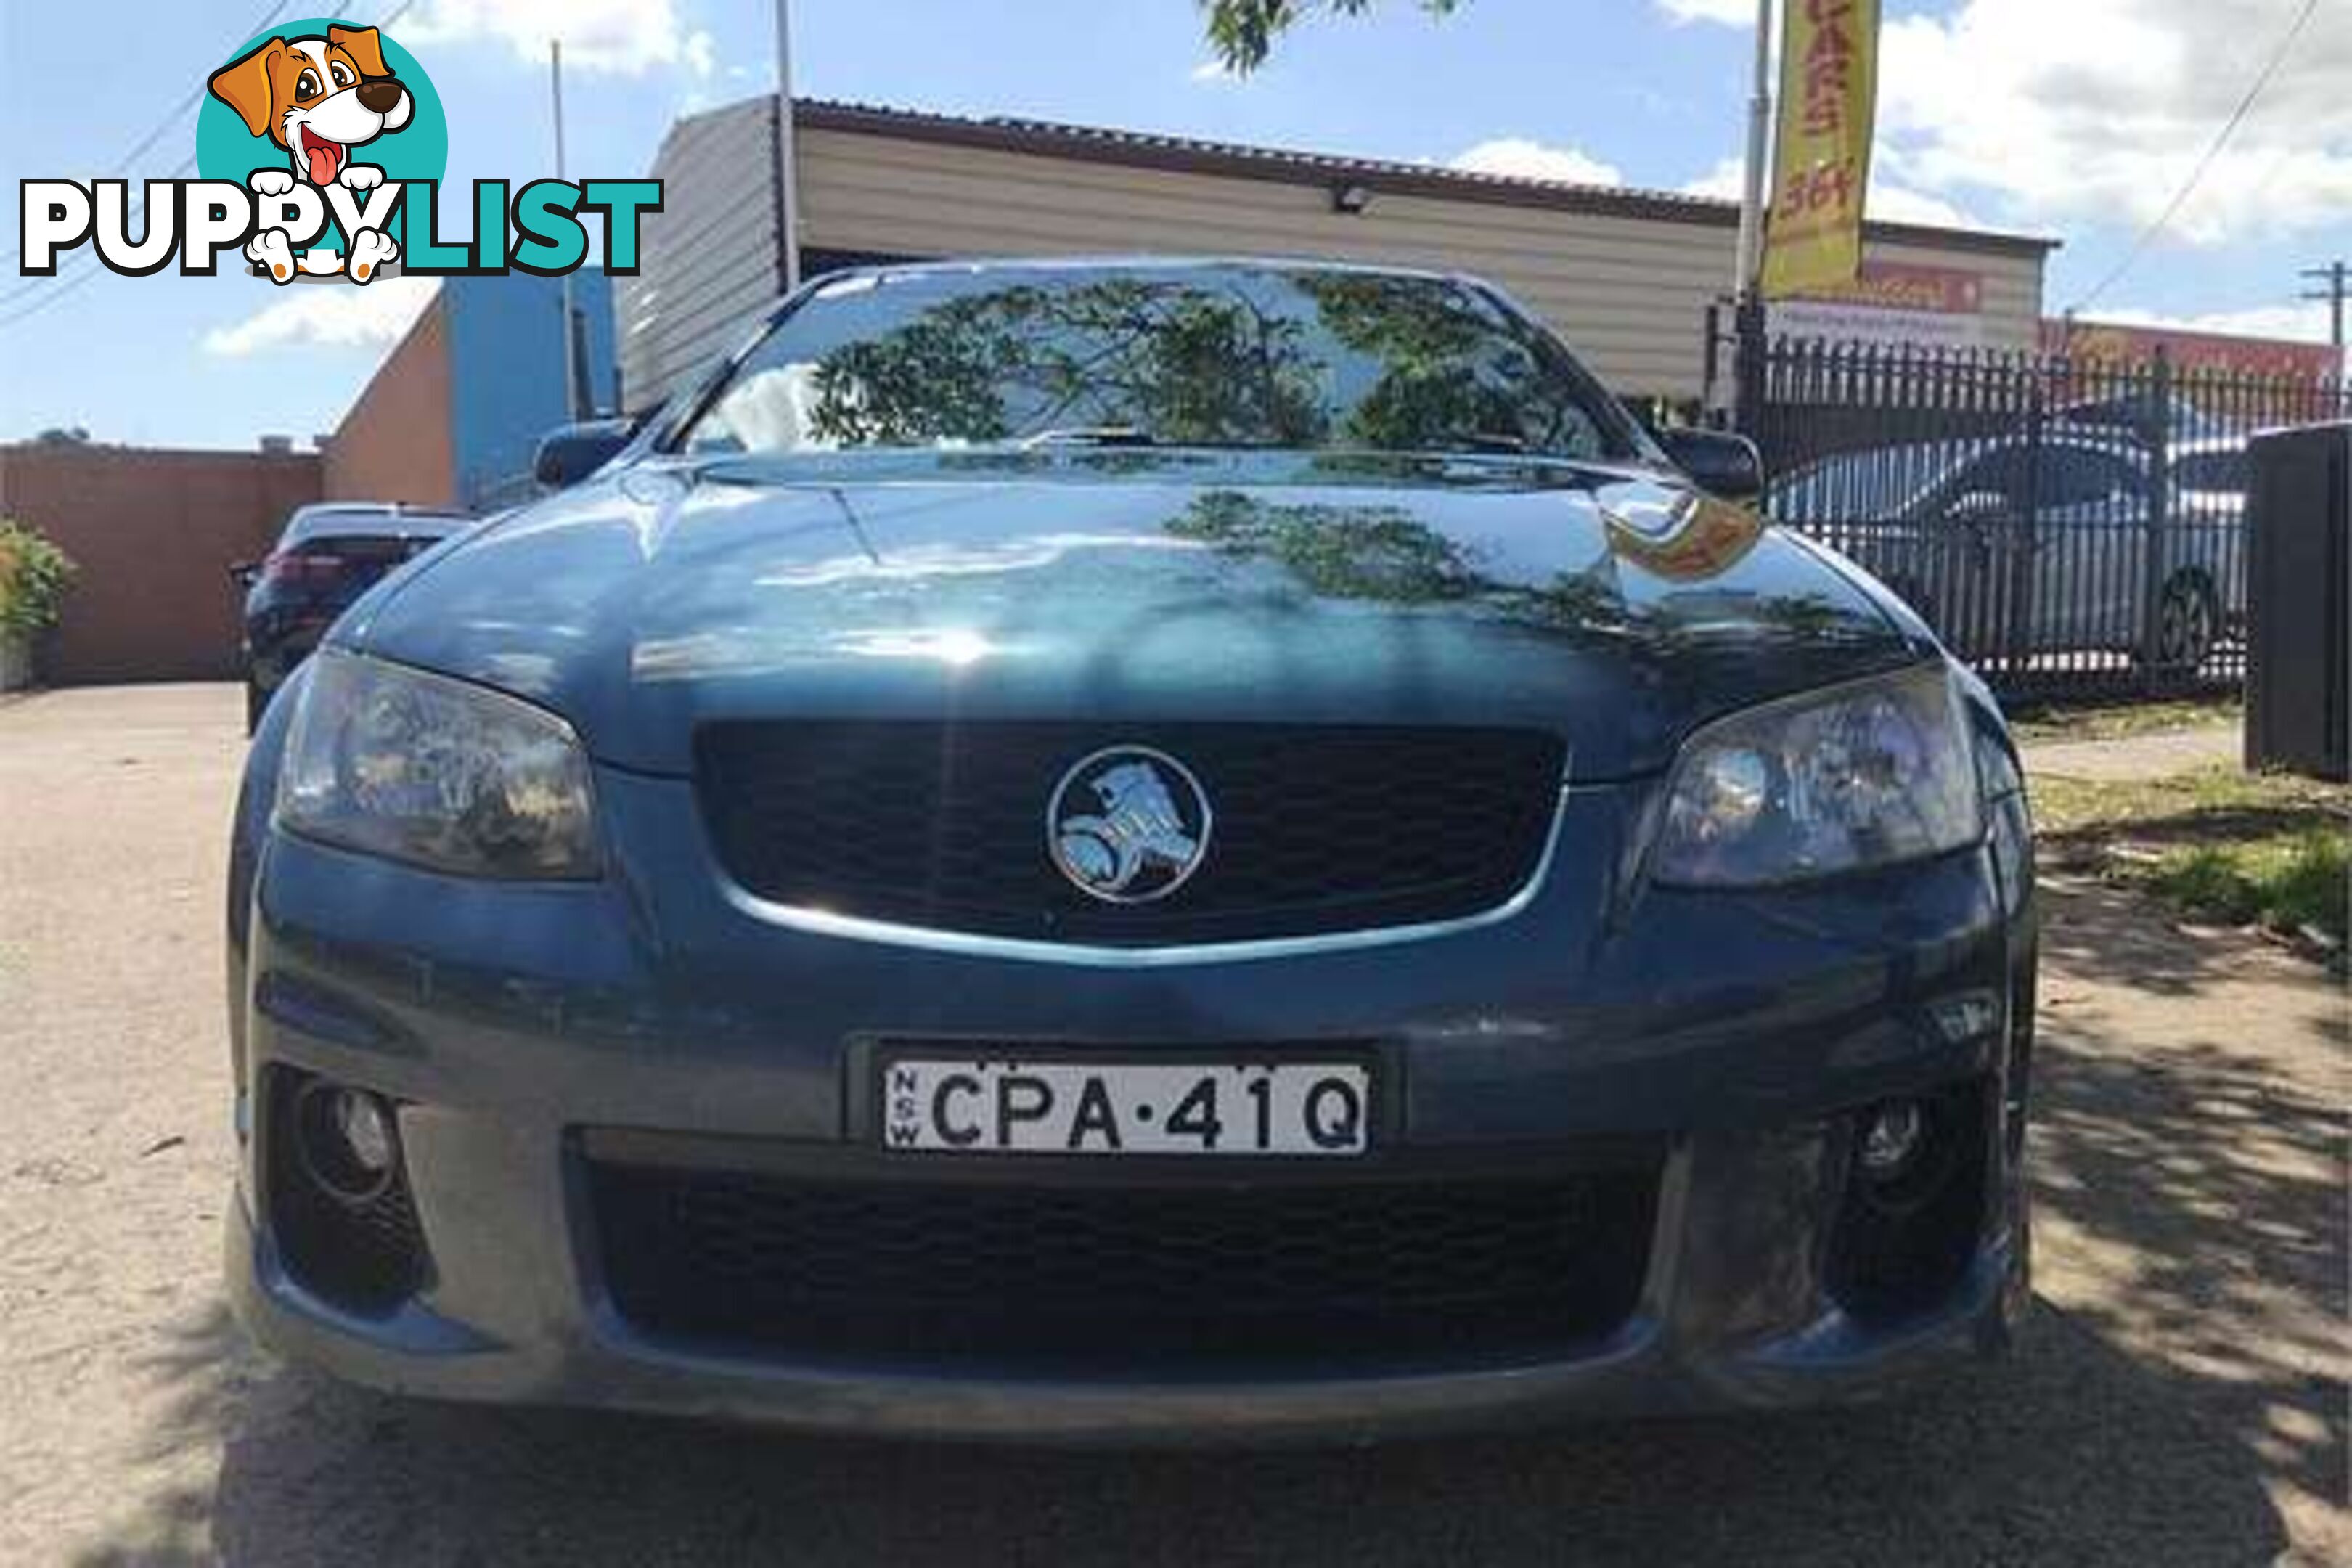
(437, 773)
(1860, 776)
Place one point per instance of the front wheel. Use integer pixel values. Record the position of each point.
(2188, 623)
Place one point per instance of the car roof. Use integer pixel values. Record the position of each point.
(1946, 455)
(1901, 474)
(324, 519)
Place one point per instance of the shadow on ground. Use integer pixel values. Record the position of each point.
(2069, 1453)
(2188, 1385)
(2191, 1176)
(2107, 935)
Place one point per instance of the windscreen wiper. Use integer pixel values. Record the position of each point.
(1090, 435)
(1490, 441)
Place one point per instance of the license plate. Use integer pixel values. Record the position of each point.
(1005, 1105)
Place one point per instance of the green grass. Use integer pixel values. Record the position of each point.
(2221, 845)
(2294, 885)
(2118, 720)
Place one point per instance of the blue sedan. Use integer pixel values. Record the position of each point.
(1134, 851)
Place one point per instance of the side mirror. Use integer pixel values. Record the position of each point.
(1723, 465)
(243, 572)
(570, 453)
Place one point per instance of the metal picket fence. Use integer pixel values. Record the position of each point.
(2067, 526)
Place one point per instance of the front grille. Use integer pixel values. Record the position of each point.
(1317, 828)
(1126, 1280)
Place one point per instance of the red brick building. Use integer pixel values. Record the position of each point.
(154, 533)
(394, 443)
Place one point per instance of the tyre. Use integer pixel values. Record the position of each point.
(257, 703)
(2188, 623)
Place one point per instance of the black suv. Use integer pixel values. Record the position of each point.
(330, 554)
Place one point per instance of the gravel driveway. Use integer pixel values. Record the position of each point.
(2180, 1397)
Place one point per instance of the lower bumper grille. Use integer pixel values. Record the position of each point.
(365, 1256)
(1894, 1253)
(1180, 1278)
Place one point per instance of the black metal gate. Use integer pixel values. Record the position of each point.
(2066, 526)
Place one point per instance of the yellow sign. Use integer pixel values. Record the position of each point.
(1820, 162)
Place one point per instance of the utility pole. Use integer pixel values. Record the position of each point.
(788, 191)
(571, 347)
(1759, 145)
(2337, 281)
(1748, 300)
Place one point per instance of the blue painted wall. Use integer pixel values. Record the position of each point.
(506, 374)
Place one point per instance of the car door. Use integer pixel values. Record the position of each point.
(1974, 524)
(2085, 545)
(2205, 528)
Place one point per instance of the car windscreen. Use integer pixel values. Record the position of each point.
(1873, 482)
(1297, 358)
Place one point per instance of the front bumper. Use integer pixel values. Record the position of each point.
(519, 1028)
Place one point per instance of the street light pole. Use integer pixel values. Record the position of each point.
(570, 347)
(788, 195)
(1759, 142)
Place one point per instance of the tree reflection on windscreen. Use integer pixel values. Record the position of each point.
(1180, 356)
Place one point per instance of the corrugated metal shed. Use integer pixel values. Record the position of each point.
(710, 258)
(1624, 275)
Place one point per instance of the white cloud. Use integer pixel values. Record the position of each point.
(2096, 110)
(1523, 159)
(2099, 109)
(1889, 202)
(1725, 182)
(624, 36)
(2295, 323)
(1213, 73)
(1731, 13)
(327, 315)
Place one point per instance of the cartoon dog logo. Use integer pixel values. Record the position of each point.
(318, 97)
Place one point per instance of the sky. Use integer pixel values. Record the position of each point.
(2076, 118)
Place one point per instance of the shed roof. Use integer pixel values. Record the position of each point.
(1149, 150)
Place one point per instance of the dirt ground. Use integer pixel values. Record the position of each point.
(2180, 1398)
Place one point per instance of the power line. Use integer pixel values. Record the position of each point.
(2213, 151)
(83, 264)
(63, 287)
(58, 286)
(172, 116)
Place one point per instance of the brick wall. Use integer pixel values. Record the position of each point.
(395, 443)
(154, 533)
